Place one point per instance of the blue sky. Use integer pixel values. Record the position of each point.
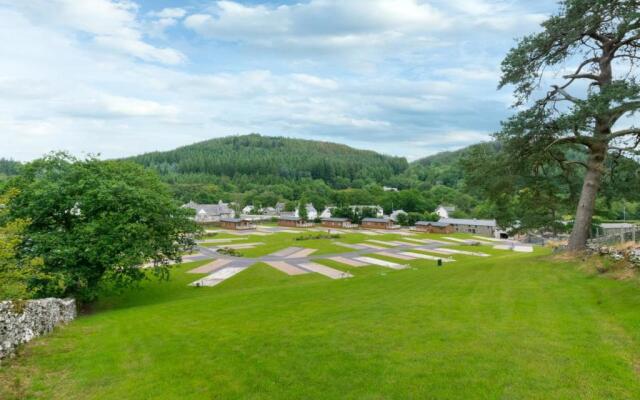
(122, 77)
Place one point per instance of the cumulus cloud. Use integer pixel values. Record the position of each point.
(105, 77)
(112, 24)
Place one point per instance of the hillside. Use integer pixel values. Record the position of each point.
(276, 157)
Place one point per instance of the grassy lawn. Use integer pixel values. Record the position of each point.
(509, 326)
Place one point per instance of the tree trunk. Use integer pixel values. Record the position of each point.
(586, 205)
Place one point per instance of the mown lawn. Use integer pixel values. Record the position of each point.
(511, 326)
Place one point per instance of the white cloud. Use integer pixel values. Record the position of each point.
(112, 24)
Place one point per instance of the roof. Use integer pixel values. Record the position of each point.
(210, 209)
(335, 219)
(289, 218)
(432, 223)
(234, 220)
(617, 225)
(476, 222)
(385, 220)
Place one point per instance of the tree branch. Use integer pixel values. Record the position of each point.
(621, 133)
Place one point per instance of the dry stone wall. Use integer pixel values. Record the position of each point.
(22, 321)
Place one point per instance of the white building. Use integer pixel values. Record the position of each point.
(444, 211)
(248, 209)
(394, 215)
(210, 212)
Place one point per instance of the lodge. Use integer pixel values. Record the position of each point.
(378, 223)
(484, 227)
(293, 222)
(434, 227)
(236, 224)
(337, 223)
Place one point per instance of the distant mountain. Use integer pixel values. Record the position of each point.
(276, 157)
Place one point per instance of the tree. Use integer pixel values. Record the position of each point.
(95, 223)
(602, 38)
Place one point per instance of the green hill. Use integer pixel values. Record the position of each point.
(272, 159)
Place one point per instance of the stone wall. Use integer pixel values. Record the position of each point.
(22, 321)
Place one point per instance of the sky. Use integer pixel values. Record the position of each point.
(124, 77)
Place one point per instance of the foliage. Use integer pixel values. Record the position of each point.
(94, 223)
(318, 236)
(584, 115)
(229, 251)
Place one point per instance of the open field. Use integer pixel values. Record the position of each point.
(511, 325)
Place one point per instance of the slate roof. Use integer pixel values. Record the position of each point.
(385, 220)
(432, 223)
(289, 218)
(476, 222)
(335, 219)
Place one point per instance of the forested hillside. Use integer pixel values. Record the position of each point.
(268, 159)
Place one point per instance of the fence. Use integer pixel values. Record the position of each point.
(621, 236)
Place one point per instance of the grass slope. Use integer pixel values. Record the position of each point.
(512, 326)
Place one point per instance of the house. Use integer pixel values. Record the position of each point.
(484, 227)
(394, 215)
(389, 189)
(269, 211)
(237, 224)
(434, 227)
(312, 213)
(378, 210)
(210, 212)
(280, 207)
(444, 211)
(337, 223)
(248, 209)
(378, 223)
(326, 213)
(293, 222)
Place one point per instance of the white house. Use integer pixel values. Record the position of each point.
(248, 209)
(379, 211)
(326, 213)
(210, 212)
(444, 211)
(394, 215)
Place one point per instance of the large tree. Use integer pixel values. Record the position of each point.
(93, 222)
(585, 111)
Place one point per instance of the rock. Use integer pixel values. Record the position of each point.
(20, 321)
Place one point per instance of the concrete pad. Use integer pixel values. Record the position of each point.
(399, 256)
(225, 240)
(488, 238)
(326, 271)
(467, 253)
(426, 256)
(286, 252)
(302, 253)
(348, 261)
(193, 257)
(421, 241)
(383, 242)
(503, 247)
(403, 243)
(523, 249)
(350, 245)
(368, 233)
(210, 267)
(436, 251)
(218, 276)
(240, 246)
(404, 233)
(376, 261)
(286, 268)
(373, 246)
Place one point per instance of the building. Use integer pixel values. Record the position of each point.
(378, 223)
(484, 227)
(327, 212)
(293, 222)
(280, 207)
(238, 224)
(378, 210)
(434, 227)
(338, 223)
(394, 215)
(389, 189)
(210, 212)
(248, 209)
(444, 211)
(312, 213)
(622, 229)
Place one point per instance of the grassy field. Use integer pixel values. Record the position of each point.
(510, 326)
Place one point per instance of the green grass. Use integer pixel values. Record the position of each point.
(510, 326)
